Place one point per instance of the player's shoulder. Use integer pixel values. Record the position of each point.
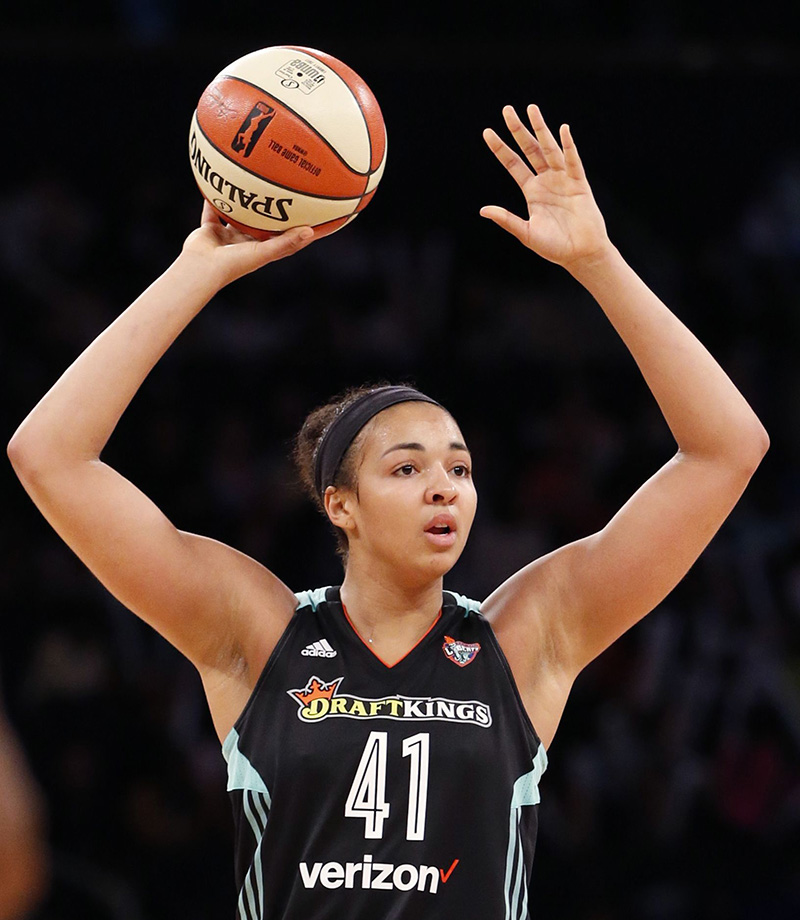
(467, 604)
(314, 598)
(463, 618)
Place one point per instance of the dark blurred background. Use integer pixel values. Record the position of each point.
(673, 791)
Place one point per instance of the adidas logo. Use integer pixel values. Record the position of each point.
(320, 649)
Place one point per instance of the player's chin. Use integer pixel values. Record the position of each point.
(442, 558)
(420, 563)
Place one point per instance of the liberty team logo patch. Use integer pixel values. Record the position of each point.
(460, 653)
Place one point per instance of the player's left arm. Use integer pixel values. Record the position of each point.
(565, 608)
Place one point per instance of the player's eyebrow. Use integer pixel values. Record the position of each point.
(415, 445)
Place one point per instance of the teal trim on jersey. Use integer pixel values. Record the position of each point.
(526, 792)
(310, 599)
(471, 606)
(256, 802)
(253, 888)
(316, 597)
(526, 788)
(241, 773)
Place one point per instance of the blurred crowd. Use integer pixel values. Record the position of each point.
(673, 791)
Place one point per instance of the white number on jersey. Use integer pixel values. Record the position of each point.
(418, 749)
(367, 796)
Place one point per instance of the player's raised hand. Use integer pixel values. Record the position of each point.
(564, 224)
(232, 253)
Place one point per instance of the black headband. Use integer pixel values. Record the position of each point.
(347, 423)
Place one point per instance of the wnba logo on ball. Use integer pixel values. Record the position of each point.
(252, 128)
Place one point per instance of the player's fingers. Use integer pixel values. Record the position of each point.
(547, 143)
(515, 225)
(517, 168)
(526, 141)
(572, 159)
(209, 215)
(286, 244)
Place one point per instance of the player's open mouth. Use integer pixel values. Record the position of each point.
(442, 530)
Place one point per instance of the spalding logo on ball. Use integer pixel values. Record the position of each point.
(287, 136)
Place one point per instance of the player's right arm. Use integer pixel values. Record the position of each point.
(218, 607)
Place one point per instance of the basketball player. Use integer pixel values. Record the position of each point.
(22, 847)
(385, 738)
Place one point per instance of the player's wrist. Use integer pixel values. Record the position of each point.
(591, 266)
(199, 273)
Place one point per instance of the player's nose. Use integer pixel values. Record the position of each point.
(440, 488)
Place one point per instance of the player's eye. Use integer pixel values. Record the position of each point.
(461, 470)
(405, 470)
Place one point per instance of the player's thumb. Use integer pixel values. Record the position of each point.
(516, 226)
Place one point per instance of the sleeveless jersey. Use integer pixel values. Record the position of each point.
(368, 792)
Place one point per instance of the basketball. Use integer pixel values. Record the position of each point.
(285, 137)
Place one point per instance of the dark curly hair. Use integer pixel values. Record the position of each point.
(307, 442)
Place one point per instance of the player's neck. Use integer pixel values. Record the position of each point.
(387, 611)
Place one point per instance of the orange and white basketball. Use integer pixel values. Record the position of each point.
(287, 136)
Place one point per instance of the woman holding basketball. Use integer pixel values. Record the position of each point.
(380, 736)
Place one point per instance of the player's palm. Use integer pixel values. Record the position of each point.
(233, 253)
(564, 223)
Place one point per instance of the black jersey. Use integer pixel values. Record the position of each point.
(368, 792)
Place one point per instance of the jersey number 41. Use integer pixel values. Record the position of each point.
(367, 796)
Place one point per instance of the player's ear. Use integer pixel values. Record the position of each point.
(339, 507)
